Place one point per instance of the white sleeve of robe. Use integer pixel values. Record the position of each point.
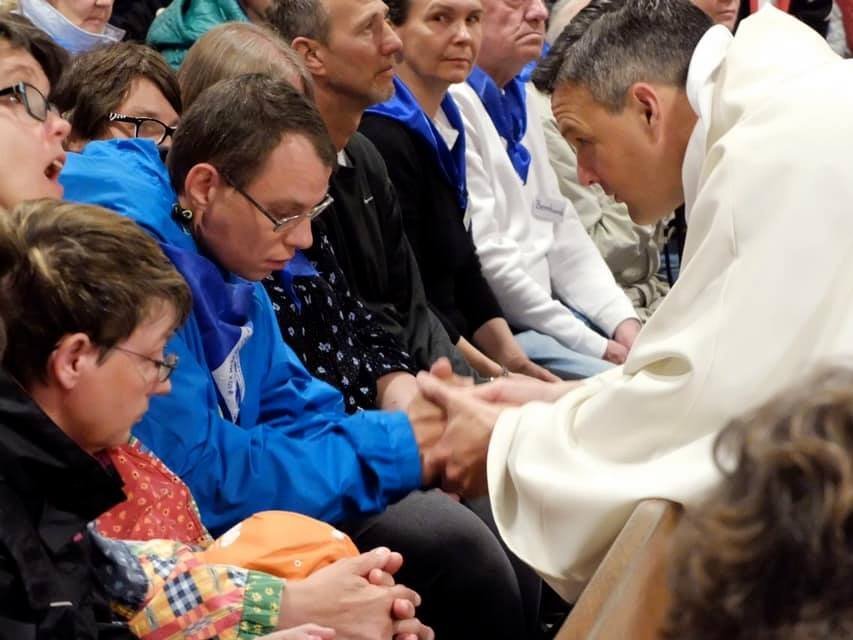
(764, 297)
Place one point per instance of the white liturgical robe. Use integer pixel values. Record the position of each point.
(765, 296)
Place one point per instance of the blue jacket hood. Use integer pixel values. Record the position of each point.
(127, 176)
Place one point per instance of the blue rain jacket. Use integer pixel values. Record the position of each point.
(292, 447)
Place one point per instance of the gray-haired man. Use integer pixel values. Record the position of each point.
(752, 134)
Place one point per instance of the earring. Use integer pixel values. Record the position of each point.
(181, 214)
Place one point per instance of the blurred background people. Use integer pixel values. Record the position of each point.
(75, 25)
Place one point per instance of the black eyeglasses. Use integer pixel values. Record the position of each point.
(280, 223)
(33, 100)
(148, 128)
(165, 367)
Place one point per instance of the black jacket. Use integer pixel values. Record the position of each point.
(365, 227)
(50, 489)
(434, 222)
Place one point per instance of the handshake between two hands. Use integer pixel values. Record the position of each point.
(453, 421)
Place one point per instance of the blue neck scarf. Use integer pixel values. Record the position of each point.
(299, 266)
(508, 113)
(222, 310)
(404, 108)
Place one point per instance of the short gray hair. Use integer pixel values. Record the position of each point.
(608, 49)
(237, 48)
(299, 18)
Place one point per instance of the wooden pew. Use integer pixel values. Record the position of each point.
(627, 596)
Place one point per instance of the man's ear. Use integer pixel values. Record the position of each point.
(74, 356)
(312, 54)
(200, 187)
(646, 103)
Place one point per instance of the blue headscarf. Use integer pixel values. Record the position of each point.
(404, 108)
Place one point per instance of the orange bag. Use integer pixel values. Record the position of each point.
(281, 543)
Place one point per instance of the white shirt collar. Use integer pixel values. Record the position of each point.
(343, 159)
(707, 58)
(448, 133)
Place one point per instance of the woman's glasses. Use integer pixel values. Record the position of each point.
(34, 101)
(148, 128)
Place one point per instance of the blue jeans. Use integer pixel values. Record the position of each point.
(559, 359)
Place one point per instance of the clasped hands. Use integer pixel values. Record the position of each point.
(453, 422)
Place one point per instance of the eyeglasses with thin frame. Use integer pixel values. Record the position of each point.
(143, 127)
(34, 101)
(165, 367)
(280, 223)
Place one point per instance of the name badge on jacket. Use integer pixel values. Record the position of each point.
(549, 209)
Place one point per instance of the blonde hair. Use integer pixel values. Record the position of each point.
(68, 268)
(7, 6)
(238, 48)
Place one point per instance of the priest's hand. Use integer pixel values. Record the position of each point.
(442, 369)
(626, 332)
(518, 390)
(461, 451)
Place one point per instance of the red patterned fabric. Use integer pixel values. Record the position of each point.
(158, 506)
(846, 7)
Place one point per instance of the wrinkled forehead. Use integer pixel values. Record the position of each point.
(18, 65)
(461, 6)
(573, 105)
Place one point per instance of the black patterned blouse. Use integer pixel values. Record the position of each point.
(331, 330)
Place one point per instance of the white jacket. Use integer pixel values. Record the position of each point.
(531, 244)
(765, 295)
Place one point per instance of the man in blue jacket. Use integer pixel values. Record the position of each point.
(246, 426)
(294, 446)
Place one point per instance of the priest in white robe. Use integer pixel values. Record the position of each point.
(756, 139)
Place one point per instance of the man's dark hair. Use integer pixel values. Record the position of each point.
(20, 33)
(299, 18)
(398, 11)
(98, 81)
(644, 41)
(235, 125)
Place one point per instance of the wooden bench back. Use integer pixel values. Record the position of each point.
(627, 597)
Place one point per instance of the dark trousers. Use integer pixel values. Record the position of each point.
(454, 559)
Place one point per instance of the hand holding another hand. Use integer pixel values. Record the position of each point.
(302, 632)
(357, 598)
(460, 452)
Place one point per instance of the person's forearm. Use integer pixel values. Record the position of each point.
(495, 338)
(482, 363)
(394, 391)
